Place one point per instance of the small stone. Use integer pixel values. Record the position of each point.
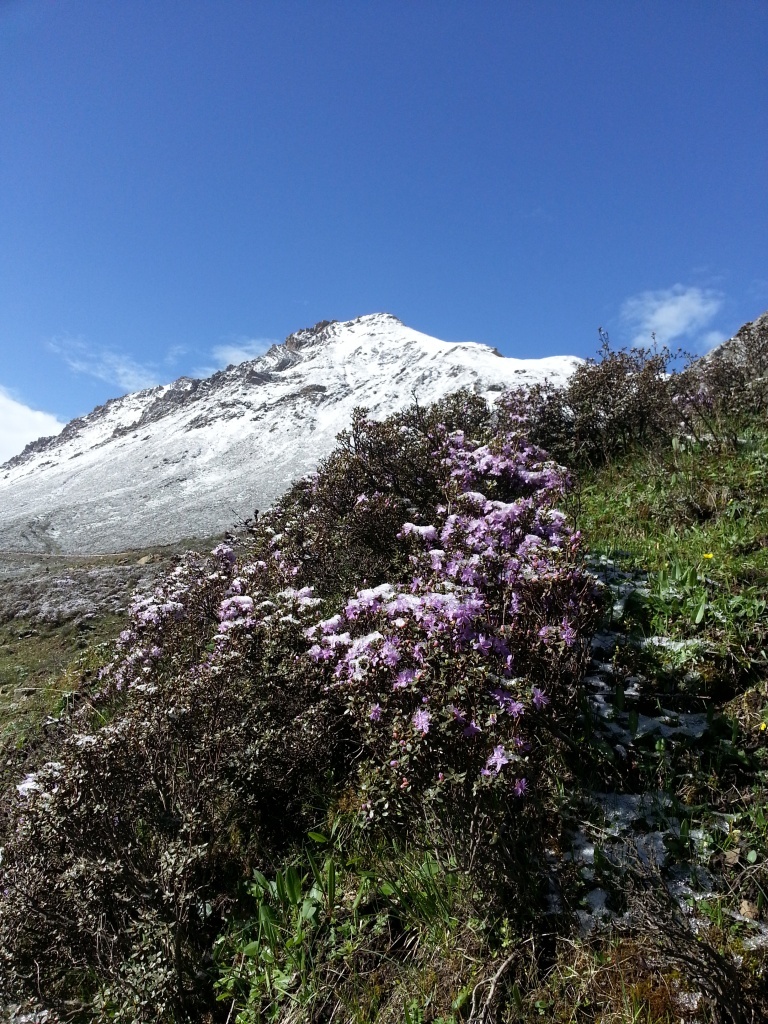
(748, 910)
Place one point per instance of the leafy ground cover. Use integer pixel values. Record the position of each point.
(453, 733)
(42, 667)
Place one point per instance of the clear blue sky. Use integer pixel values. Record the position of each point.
(182, 180)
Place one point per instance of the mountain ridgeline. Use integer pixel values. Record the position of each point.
(190, 458)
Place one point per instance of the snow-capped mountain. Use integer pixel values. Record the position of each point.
(188, 459)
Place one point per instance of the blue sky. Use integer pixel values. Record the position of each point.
(183, 181)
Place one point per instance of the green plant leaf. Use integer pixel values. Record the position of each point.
(330, 871)
(293, 886)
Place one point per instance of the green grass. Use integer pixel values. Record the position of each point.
(695, 519)
(42, 666)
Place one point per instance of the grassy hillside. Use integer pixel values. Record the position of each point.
(410, 749)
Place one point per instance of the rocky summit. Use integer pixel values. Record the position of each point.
(191, 458)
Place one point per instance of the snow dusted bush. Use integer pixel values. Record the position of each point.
(405, 631)
(194, 762)
(449, 672)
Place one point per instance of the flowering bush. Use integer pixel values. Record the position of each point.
(448, 672)
(608, 406)
(407, 628)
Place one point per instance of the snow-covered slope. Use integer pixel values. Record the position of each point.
(188, 459)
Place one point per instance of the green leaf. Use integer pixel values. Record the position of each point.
(293, 886)
(315, 870)
(330, 870)
(317, 837)
(282, 895)
(260, 883)
(752, 856)
(517, 998)
(267, 923)
(308, 910)
(700, 613)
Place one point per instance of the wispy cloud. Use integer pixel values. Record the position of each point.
(20, 424)
(230, 353)
(128, 374)
(671, 314)
(241, 350)
(174, 354)
(104, 364)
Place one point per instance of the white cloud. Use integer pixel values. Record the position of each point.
(240, 351)
(19, 425)
(174, 354)
(103, 364)
(670, 313)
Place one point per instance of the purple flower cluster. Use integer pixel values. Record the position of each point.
(493, 592)
(444, 670)
(241, 599)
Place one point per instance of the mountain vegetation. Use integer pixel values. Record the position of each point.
(470, 726)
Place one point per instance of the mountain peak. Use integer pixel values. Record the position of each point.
(327, 330)
(187, 459)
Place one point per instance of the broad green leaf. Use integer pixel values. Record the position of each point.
(293, 886)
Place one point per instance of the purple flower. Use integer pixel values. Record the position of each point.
(482, 644)
(520, 787)
(375, 714)
(471, 730)
(225, 553)
(540, 699)
(507, 702)
(404, 679)
(568, 633)
(389, 653)
(421, 721)
(497, 760)
(419, 651)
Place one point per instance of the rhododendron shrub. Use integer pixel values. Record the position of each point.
(450, 672)
(405, 631)
(342, 524)
(196, 759)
